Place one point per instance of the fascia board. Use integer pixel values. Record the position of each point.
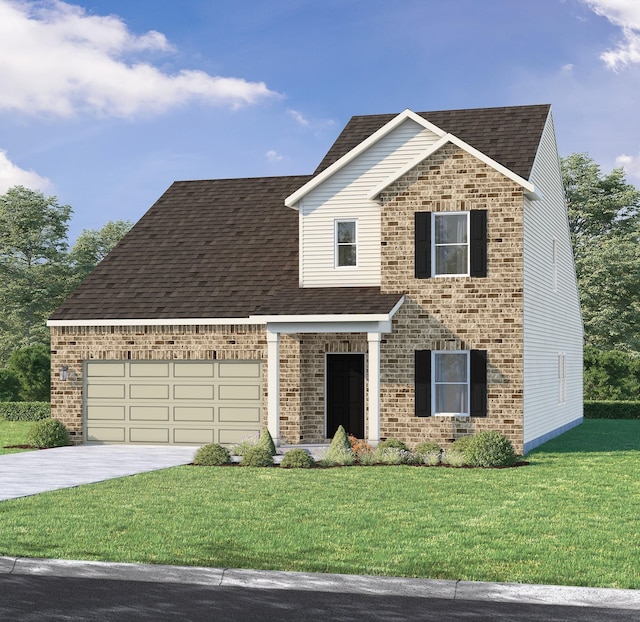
(310, 319)
(293, 199)
(201, 321)
(289, 328)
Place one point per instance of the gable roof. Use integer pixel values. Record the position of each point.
(225, 248)
(509, 135)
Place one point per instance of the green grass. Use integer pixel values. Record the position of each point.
(570, 517)
(13, 433)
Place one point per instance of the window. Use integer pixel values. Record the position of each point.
(346, 233)
(450, 252)
(451, 244)
(562, 378)
(451, 383)
(554, 265)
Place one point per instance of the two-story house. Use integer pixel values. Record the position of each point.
(419, 285)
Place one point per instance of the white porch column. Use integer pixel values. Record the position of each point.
(273, 385)
(373, 373)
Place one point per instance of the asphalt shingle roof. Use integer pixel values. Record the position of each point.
(228, 248)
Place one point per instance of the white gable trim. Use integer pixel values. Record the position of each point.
(293, 199)
(529, 188)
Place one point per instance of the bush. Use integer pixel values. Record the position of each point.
(367, 457)
(392, 443)
(358, 446)
(244, 445)
(490, 449)
(610, 410)
(257, 457)
(212, 455)
(611, 375)
(48, 433)
(392, 455)
(428, 452)
(456, 453)
(9, 386)
(266, 441)
(340, 451)
(25, 411)
(297, 459)
(338, 457)
(32, 366)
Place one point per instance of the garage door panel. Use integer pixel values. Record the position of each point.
(193, 391)
(239, 369)
(106, 435)
(187, 413)
(189, 402)
(149, 370)
(115, 413)
(193, 370)
(148, 435)
(149, 391)
(232, 414)
(149, 413)
(239, 392)
(106, 391)
(194, 436)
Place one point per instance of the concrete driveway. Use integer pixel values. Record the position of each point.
(33, 472)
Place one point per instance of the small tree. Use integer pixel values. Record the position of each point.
(9, 386)
(32, 367)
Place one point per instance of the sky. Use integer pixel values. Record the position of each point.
(104, 103)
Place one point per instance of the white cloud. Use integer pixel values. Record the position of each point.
(12, 175)
(273, 156)
(631, 164)
(626, 15)
(57, 59)
(298, 116)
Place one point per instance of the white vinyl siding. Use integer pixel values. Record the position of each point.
(552, 317)
(343, 196)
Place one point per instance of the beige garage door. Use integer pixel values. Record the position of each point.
(172, 402)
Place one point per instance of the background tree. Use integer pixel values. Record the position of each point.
(33, 265)
(9, 386)
(611, 375)
(32, 367)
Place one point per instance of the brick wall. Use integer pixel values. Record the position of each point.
(454, 313)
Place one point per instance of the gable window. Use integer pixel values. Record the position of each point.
(562, 378)
(346, 243)
(451, 383)
(450, 244)
(554, 264)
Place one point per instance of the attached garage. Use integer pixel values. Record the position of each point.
(172, 402)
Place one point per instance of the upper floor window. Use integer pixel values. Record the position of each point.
(451, 244)
(346, 243)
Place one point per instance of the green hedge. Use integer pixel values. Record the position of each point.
(25, 411)
(611, 410)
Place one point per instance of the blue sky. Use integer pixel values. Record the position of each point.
(104, 103)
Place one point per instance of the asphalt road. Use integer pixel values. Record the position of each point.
(43, 599)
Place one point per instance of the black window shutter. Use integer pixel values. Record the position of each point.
(423, 245)
(478, 400)
(423, 382)
(478, 242)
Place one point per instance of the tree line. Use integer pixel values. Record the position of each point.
(38, 269)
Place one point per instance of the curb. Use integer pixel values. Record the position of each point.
(353, 584)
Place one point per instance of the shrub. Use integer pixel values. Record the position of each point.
(456, 453)
(9, 386)
(48, 433)
(340, 448)
(257, 457)
(490, 449)
(609, 410)
(212, 455)
(428, 452)
(266, 441)
(367, 457)
(394, 443)
(25, 411)
(245, 444)
(392, 455)
(358, 446)
(338, 457)
(32, 366)
(297, 459)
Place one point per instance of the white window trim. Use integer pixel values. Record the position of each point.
(433, 244)
(336, 255)
(562, 378)
(554, 264)
(433, 382)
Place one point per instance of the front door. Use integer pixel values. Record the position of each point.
(345, 393)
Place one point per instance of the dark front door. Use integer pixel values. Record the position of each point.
(345, 394)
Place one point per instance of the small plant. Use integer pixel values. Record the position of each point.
(340, 451)
(394, 443)
(392, 455)
(358, 446)
(48, 433)
(490, 449)
(257, 457)
(297, 459)
(367, 457)
(338, 457)
(212, 455)
(456, 453)
(246, 443)
(428, 453)
(266, 441)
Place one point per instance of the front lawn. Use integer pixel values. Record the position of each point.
(570, 517)
(13, 433)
